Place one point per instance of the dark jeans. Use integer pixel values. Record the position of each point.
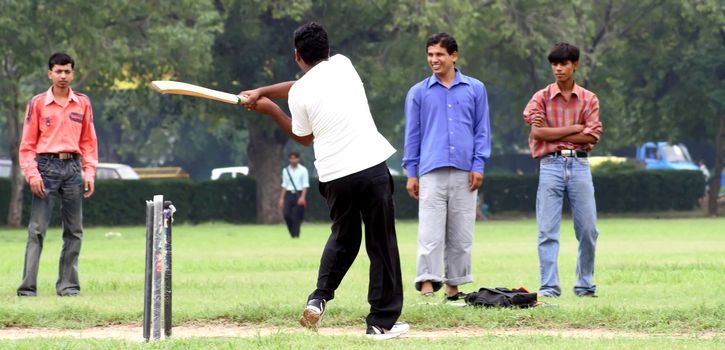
(63, 180)
(293, 213)
(363, 197)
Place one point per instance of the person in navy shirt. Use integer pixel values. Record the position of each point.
(447, 143)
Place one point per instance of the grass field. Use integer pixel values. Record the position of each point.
(661, 280)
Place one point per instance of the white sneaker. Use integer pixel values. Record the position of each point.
(380, 333)
(312, 314)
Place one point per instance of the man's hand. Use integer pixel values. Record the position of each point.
(412, 187)
(281, 203)
(578, 128)
(302, 202)
(252, 97)
(475, 179)
(38, 188)
(266, 106)
(89, 188)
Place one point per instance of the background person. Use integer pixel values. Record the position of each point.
(58, 140)
(565, 126)
(447, 143)
(292, 198)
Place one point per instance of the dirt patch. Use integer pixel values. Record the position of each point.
(133, 332)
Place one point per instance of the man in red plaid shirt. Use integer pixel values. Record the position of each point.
(565, 126)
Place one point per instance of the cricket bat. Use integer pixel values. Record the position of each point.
(179, 88)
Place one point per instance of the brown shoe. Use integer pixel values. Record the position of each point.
(312, 314)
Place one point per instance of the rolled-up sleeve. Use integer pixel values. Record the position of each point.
(88, 144)
(535, 105)
(593, 126)
(411, 149)
(28, 143)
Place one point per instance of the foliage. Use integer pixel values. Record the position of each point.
(610, 167)
(644, 59)
(118, 202)
(122, 202)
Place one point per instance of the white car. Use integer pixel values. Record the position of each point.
(104, 171)
(5, 167)
(231, 172)
(115, 171)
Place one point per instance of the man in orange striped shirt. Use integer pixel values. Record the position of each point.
(565, 126)
(58, 155)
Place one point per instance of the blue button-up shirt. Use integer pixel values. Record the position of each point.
(446, 127)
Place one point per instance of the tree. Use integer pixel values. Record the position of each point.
(671, 84)
(112, 42)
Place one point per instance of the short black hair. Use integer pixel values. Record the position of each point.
(60, 59)
(445, 40)
(311, 43)
(562, 52)
(294, 153)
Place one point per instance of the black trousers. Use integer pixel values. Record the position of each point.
(364, 197)
(293, 213)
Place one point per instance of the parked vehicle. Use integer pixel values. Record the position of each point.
(104, 171)
(5, 167)
(115, 171)
(162, 173)
(663, 155)
(231, 172)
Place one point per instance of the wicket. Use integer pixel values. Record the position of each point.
(159, 218)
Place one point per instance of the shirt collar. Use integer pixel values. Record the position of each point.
(49, 97)
(457, 79)
(576, 90)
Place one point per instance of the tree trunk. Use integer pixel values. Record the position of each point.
(265, 149)
(717, 173)
(15, 207)
(17, 184)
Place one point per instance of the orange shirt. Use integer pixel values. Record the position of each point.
(582, 108)
(52, 128)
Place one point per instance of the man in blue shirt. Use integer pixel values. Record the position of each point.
(447, 142)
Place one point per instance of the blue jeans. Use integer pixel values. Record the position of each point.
(63, 179)
(571, 176)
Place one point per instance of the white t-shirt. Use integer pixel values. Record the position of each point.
(329, 102)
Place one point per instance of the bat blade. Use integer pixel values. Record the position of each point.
(181, 88)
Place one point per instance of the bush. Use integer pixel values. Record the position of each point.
(123, 202)
(610, 167)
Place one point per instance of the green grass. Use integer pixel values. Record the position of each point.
(310, 341)
(653, 276)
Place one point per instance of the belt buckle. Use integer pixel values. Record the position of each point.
(568, 153)
(65, 156)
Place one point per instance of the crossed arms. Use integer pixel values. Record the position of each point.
(571, 133)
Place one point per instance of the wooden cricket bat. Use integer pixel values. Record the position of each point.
(179, 88)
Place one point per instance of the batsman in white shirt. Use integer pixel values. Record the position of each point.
(330, 109)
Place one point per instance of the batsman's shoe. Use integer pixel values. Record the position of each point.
(312, 315)
(380, 333)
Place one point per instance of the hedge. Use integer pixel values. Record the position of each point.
(122, 202)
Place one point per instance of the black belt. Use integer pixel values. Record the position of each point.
(569, 153)
(61, 156)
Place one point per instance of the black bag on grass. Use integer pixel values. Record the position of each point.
(501, 297)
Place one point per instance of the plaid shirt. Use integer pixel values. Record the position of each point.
(582, 108)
